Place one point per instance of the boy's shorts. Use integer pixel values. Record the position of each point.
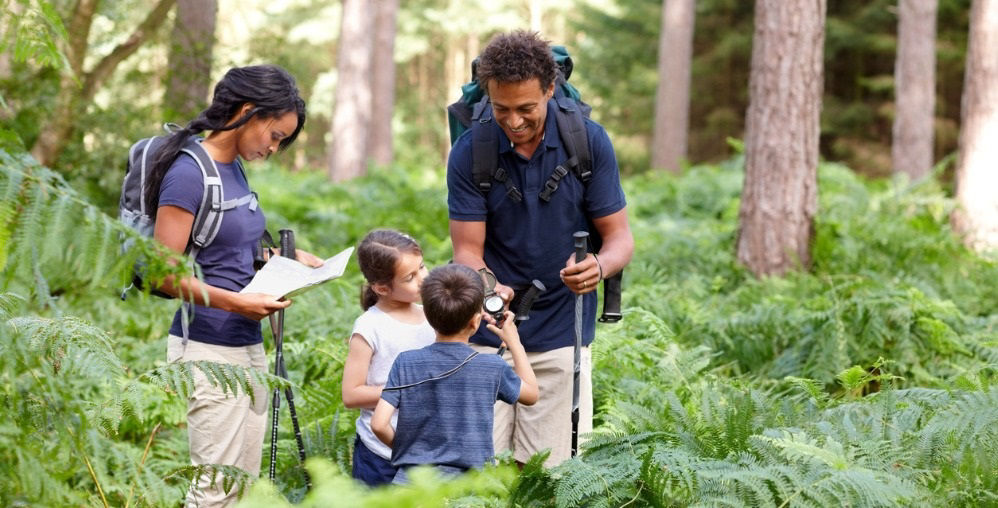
(547, 424)
(369, 467)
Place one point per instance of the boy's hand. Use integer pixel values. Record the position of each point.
(508, 333)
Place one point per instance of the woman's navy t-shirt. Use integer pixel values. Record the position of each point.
(227, 262)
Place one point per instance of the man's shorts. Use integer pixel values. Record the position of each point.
(547, 424)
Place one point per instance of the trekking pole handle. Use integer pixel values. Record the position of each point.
(527, 302)
(288, 243)
(581, 240)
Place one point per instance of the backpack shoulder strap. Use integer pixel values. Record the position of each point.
(484, 145)
(209, 216)
(485, 150)
(572, 129)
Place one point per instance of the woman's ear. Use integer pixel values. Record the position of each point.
(245, 109)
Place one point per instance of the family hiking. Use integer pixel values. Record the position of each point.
(449, 366)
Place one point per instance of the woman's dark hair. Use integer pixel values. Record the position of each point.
(378, 254)
(269, 88)
(515, 57)
(452, 295)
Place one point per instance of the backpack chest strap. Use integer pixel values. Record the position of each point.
(236, 203)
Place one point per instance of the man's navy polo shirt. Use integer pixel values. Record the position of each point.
(533, 239)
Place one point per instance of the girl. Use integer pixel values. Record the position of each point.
(392, 264)
(255, 111)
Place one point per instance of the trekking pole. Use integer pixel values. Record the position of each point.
(581, 238)
(526, 302)
(287, 241)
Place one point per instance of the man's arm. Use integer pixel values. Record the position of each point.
(468, 239)
(614, 255)
(381, 422)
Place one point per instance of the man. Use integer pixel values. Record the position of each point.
(520, 237)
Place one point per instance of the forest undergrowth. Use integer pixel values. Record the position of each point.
(867, 380)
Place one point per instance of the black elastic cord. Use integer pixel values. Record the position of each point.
(434, 378)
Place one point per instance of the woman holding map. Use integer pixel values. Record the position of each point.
(255, 112)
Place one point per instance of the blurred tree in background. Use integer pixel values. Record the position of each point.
(612, 42)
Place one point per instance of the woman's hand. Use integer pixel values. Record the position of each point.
(257, 306)
(308, 259)
(304, 257)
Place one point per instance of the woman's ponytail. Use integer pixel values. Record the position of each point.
(268, 88)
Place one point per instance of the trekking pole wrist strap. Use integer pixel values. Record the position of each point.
(599, 265)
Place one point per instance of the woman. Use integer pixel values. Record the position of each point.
(255, 111)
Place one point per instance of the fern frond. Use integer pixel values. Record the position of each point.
(179, 378)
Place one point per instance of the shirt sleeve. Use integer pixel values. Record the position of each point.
(509, 385)
(393, 397)
(464, 201)
(604, 194)
(364, 326)
(183, 185)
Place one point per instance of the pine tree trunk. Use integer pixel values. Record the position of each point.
(383, 82)
(779, 196)
(914, 82)
(672, 100)
(977, 169)
(352, 107)
(189, 75)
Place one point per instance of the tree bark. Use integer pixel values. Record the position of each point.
(977, 168)
(72, 98)
(672, 99)
(352, 108)
(779, 196)
(191, 45)
(383, 82)
(914, 85)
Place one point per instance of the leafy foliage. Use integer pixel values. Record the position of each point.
(716, 389)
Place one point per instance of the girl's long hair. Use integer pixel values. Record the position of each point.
(269, 88)
(377, 255)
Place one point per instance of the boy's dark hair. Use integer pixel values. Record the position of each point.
(377, 255)
(515, 57)
(452, 295)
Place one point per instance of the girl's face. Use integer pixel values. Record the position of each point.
(260, 137)
(409, 274)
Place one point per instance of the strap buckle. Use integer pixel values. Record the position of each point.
(552, 183)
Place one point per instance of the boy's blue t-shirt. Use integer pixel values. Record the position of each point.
(227, 262)
(447, 421)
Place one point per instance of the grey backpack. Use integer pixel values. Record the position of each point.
(132, 204)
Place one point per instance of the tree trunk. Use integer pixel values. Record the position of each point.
(352, 107)
(672, 100)
(383, 82)
(191, 45)
(71, 98)
(914, 88)
(779, 196)
(977, 169)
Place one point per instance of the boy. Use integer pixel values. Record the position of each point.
(445, 392)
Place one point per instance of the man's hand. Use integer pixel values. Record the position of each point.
(583, 277)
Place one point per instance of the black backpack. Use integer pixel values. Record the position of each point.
(474, 111)
(132, 206)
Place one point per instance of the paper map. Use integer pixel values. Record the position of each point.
(285, 277)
